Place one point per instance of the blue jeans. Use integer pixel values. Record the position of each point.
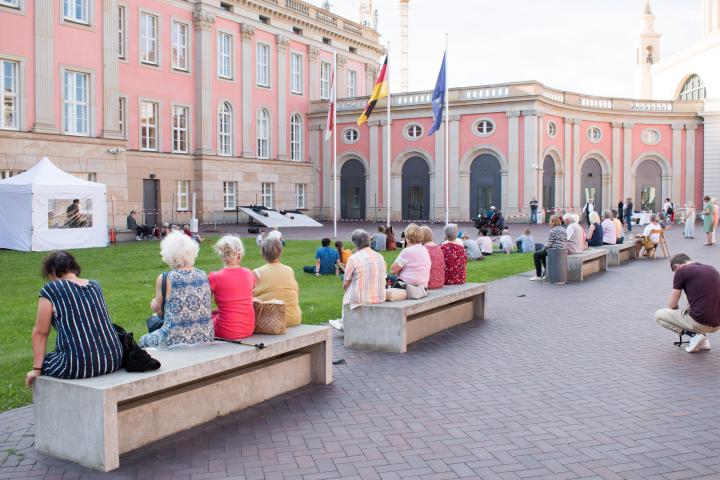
(533, 216)
(628, 220)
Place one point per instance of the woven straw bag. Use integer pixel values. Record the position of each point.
(269, 317)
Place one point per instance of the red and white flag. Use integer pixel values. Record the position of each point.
(331, 111)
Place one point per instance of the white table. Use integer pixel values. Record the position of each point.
(643, 216)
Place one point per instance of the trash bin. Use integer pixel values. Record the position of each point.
(557, 265)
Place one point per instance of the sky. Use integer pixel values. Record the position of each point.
(584, 46)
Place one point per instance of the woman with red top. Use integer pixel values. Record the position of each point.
(391, 243)
(455, 256)
(437, 259)
(232, 289)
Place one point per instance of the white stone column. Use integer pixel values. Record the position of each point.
(511, 205)
(538, 185)
(204, 112)
(375, 174)
(711, 148)
(676, 173)
(615, 193)
(567, 195)
(707, 18)
(459, 200)
(247, 33)
(45, 68)
(314, 147)
(111, 71)
(690, 130)
(628, 187)
(439, 210)
(314, 67)
(341, 76)
(283, 119)
(577, 191)
(327, 173)
(530, 156)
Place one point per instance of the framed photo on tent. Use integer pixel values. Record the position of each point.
(70, 213)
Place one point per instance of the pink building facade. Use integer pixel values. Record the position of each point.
(225, 102)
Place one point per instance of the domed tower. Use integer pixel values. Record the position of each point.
(647, 52)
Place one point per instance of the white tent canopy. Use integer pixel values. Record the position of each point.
(46, 208)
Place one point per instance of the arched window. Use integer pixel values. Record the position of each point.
(263, 133)
(296, 137)
(225, 129)
(693, 89)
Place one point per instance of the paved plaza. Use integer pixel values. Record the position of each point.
(560, 382)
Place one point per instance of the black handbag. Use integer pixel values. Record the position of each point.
(155, 321)
(134, 358)
(127, 341)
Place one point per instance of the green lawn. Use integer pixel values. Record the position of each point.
(127, 274)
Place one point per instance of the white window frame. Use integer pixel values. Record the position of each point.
(266, 194)
(296, 73)
(262, 134)
(351, 83)
(551, 129)
(225, 55)
(225, 130)
(145, 136)
(122, 116)
(180, 45)
(300, 191)
(122, 32)
(14, 94)
(262, 67)
(183, 195)
(178, 132)
(72, 105)
(10, 3)
(348, 132)
(229, 195)
(69, 10)
(484, 132)
(325, 74)
(417, 132)
(296, 137)
(591, 137)
(148, 41)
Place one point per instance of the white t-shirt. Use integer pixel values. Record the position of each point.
(275, 234)
(506, 241)
(485, 244)
(655, 237)
(609, 233)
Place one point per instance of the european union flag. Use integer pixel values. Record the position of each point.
(438, 98)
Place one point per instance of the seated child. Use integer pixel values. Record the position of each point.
(505, 241)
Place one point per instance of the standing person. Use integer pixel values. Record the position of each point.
(588, 209)
(690, 217)
(533, 210)
(327, 260)
(455, 257)
(669, 210)
(365, 273)
(708, 224)
(575, 235)
(628, 213)
(620, 211)
(378, 242)
(701, 284)
(86, 344)
(557, 238)
(609, 235)
(437, 259)
(716, 217)
(619, 235)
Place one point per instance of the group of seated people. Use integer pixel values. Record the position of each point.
(384, 239)
(145, 232)
(66, 302)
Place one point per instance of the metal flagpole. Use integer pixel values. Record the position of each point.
(447, 138)
(334, 126)
(388, 203)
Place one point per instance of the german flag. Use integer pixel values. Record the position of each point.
(380, 91)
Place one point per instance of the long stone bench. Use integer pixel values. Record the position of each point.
(620, 253)
(93, 421)
(589, 262)
(392, 326)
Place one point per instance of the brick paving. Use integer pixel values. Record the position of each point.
(560, 382)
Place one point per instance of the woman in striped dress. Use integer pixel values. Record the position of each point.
(87, 344)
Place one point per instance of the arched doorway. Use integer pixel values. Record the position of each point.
(648, 186)
(352, 190)
(415, 189)
(485, 188)
(591, 183)
(548, 185)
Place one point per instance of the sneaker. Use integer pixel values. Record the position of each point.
(706, 344)
(536, 279)
(337, 324)
(695, 343)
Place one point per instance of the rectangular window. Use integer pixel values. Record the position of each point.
(9, 95)
(122, 119)
(263, 65)
(10, 3)
(296, 73)
(148, 38)
(351, 83)
(76, 103)
(229, 195)
(267, 195)
(89, 176)
(224, 56)
(149, 126)
(299, 195)
(183, 194)
(76, 11)
(180, 45)
(325, 80)
(9, 173)
(121, 31)
(180, 118)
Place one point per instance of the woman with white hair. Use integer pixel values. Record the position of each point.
(232, 288)
(575, 234)
(595, 232)
(185, 308)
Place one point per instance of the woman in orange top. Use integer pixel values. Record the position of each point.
(344, 254)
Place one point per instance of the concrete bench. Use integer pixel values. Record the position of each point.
(392, 326)
(93, 421)
(589, 262)
(620, 253)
